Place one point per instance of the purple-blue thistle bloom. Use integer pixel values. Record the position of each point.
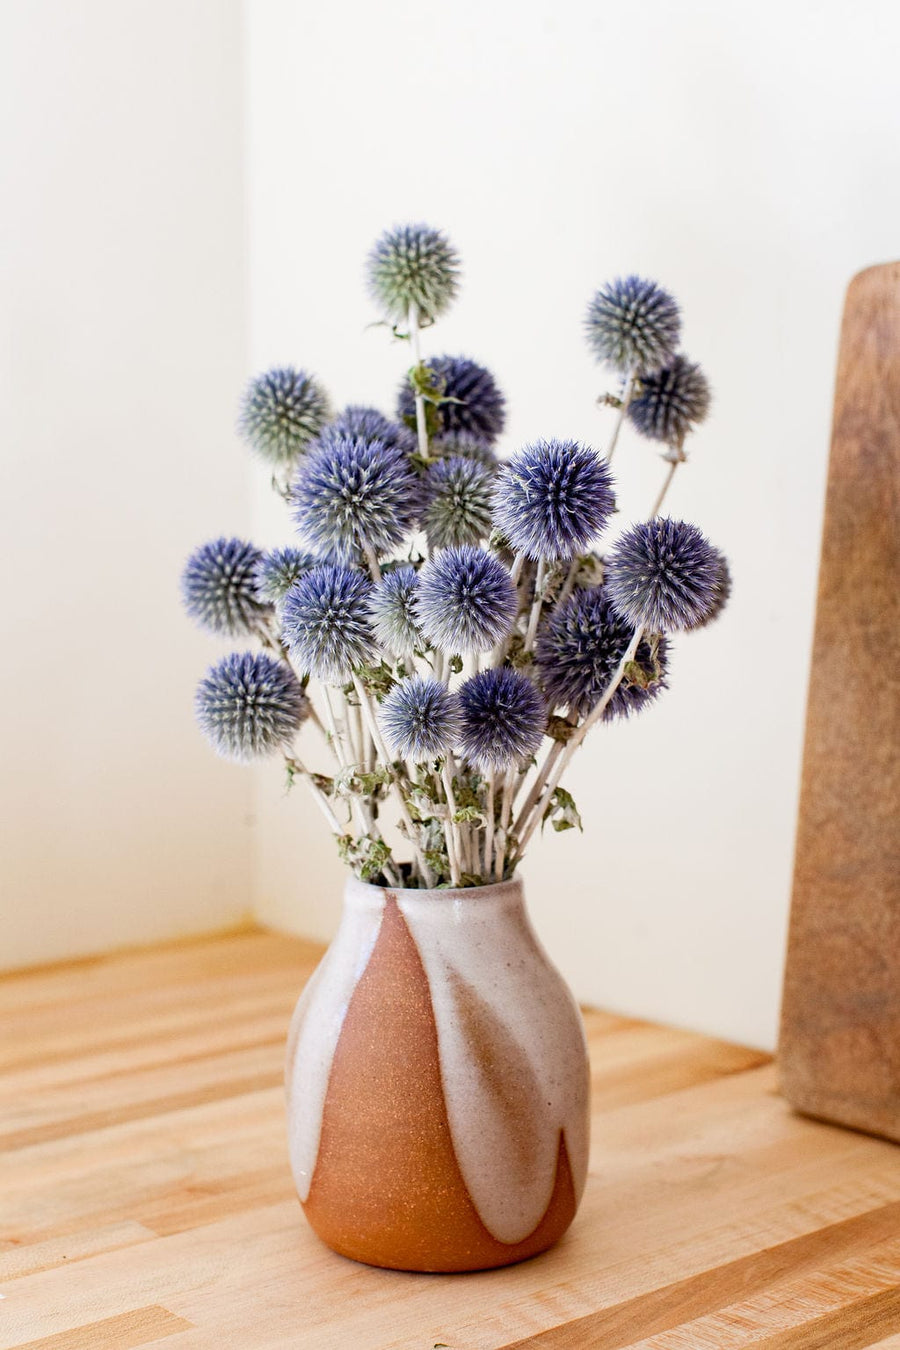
(722, 596)
(413, 265)
(420, 719)
(326, 625)
(664, 574)
(279, 570)
(464, 447)
(356, 422)
(354, 494)
(392, 611)
(282, 411)
(553, 498)
(633, 325)
(578, 653)
(466, 601)
(458, 503)
(503, 718)
(670, 402)
(475, 407)
(218, 587)
(250, 705)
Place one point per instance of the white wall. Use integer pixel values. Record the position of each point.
(123, 319)
(747, 156)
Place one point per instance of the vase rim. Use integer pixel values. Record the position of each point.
(441, 894)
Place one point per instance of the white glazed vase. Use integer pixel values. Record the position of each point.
(437, 1083)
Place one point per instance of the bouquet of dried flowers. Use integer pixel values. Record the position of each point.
(449, 622)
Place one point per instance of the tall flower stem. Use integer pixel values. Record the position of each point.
(447, 769)
(421, 425)
(372, 561)
(537, 786)
(625, 403)
(674, 456)
(386, 759)
(572, 745)
(505, 813)
(324, 805)
(489, 827)
(537, 604)
(450, 837)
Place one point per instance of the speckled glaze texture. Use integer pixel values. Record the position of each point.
(437, 1083)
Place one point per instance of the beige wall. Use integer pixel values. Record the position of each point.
(122, 320)
(748, 156)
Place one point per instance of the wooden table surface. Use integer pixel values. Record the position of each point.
(145, 1196)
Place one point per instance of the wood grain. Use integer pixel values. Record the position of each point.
(840, 1038)
(148, 1190)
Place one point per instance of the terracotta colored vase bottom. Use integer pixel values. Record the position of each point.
(387, 1188)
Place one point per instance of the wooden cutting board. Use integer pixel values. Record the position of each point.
(840, 1033)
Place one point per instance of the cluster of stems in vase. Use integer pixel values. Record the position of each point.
(451, 623)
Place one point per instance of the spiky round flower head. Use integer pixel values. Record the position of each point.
(277, 571)
(465, 601)
(671, 401)
(722, 596)
(413, 265)
(664, 574)
(281, 412)
(503, 718)
(218, 586)
(553, 498)
(392, 611)
(474, 407)
(325, 622)
(458, 503)
(633, 324)
(578, 653)
(250, 705)
(368, 424)
(420, 719)
(354, 494)
(464, 447)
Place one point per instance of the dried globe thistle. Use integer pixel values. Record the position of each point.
(392, 612)
(664, 574)
(469, 404)
(250, 705)
(465, 601)
(578, 654)
(420, 719)
(458, 503)
(281, 412)
(325, 621)
(354, 494)
(368, 424)
(722, 596)
(503, 718)
(446, 446)
(552, 499)
(218, 586)
(277, 571)
(670, 402)
(413, 265)
(633, 325)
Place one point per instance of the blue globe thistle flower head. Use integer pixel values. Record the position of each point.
(465, 601)
(458, 495)
(277, 571)
(413, 265)
(503, 718)
(325, 623)
(475, 408)
(218, 587)
(392, 612)
(671, 402)
(723, 595)
(420, 719)
(354, 494)
(633, 324)
(250, 705)
(368, 424)
(664, 574)
(282, 411)
(578, 653)
(553, 498)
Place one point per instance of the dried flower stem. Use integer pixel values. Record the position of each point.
(421, 424)
(505, 813)
(675, 456)
(450, 833)
(537, 604)
(627, 396)
(372, 561)
(489, 826)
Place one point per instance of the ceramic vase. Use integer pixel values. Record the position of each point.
(437, 1083)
